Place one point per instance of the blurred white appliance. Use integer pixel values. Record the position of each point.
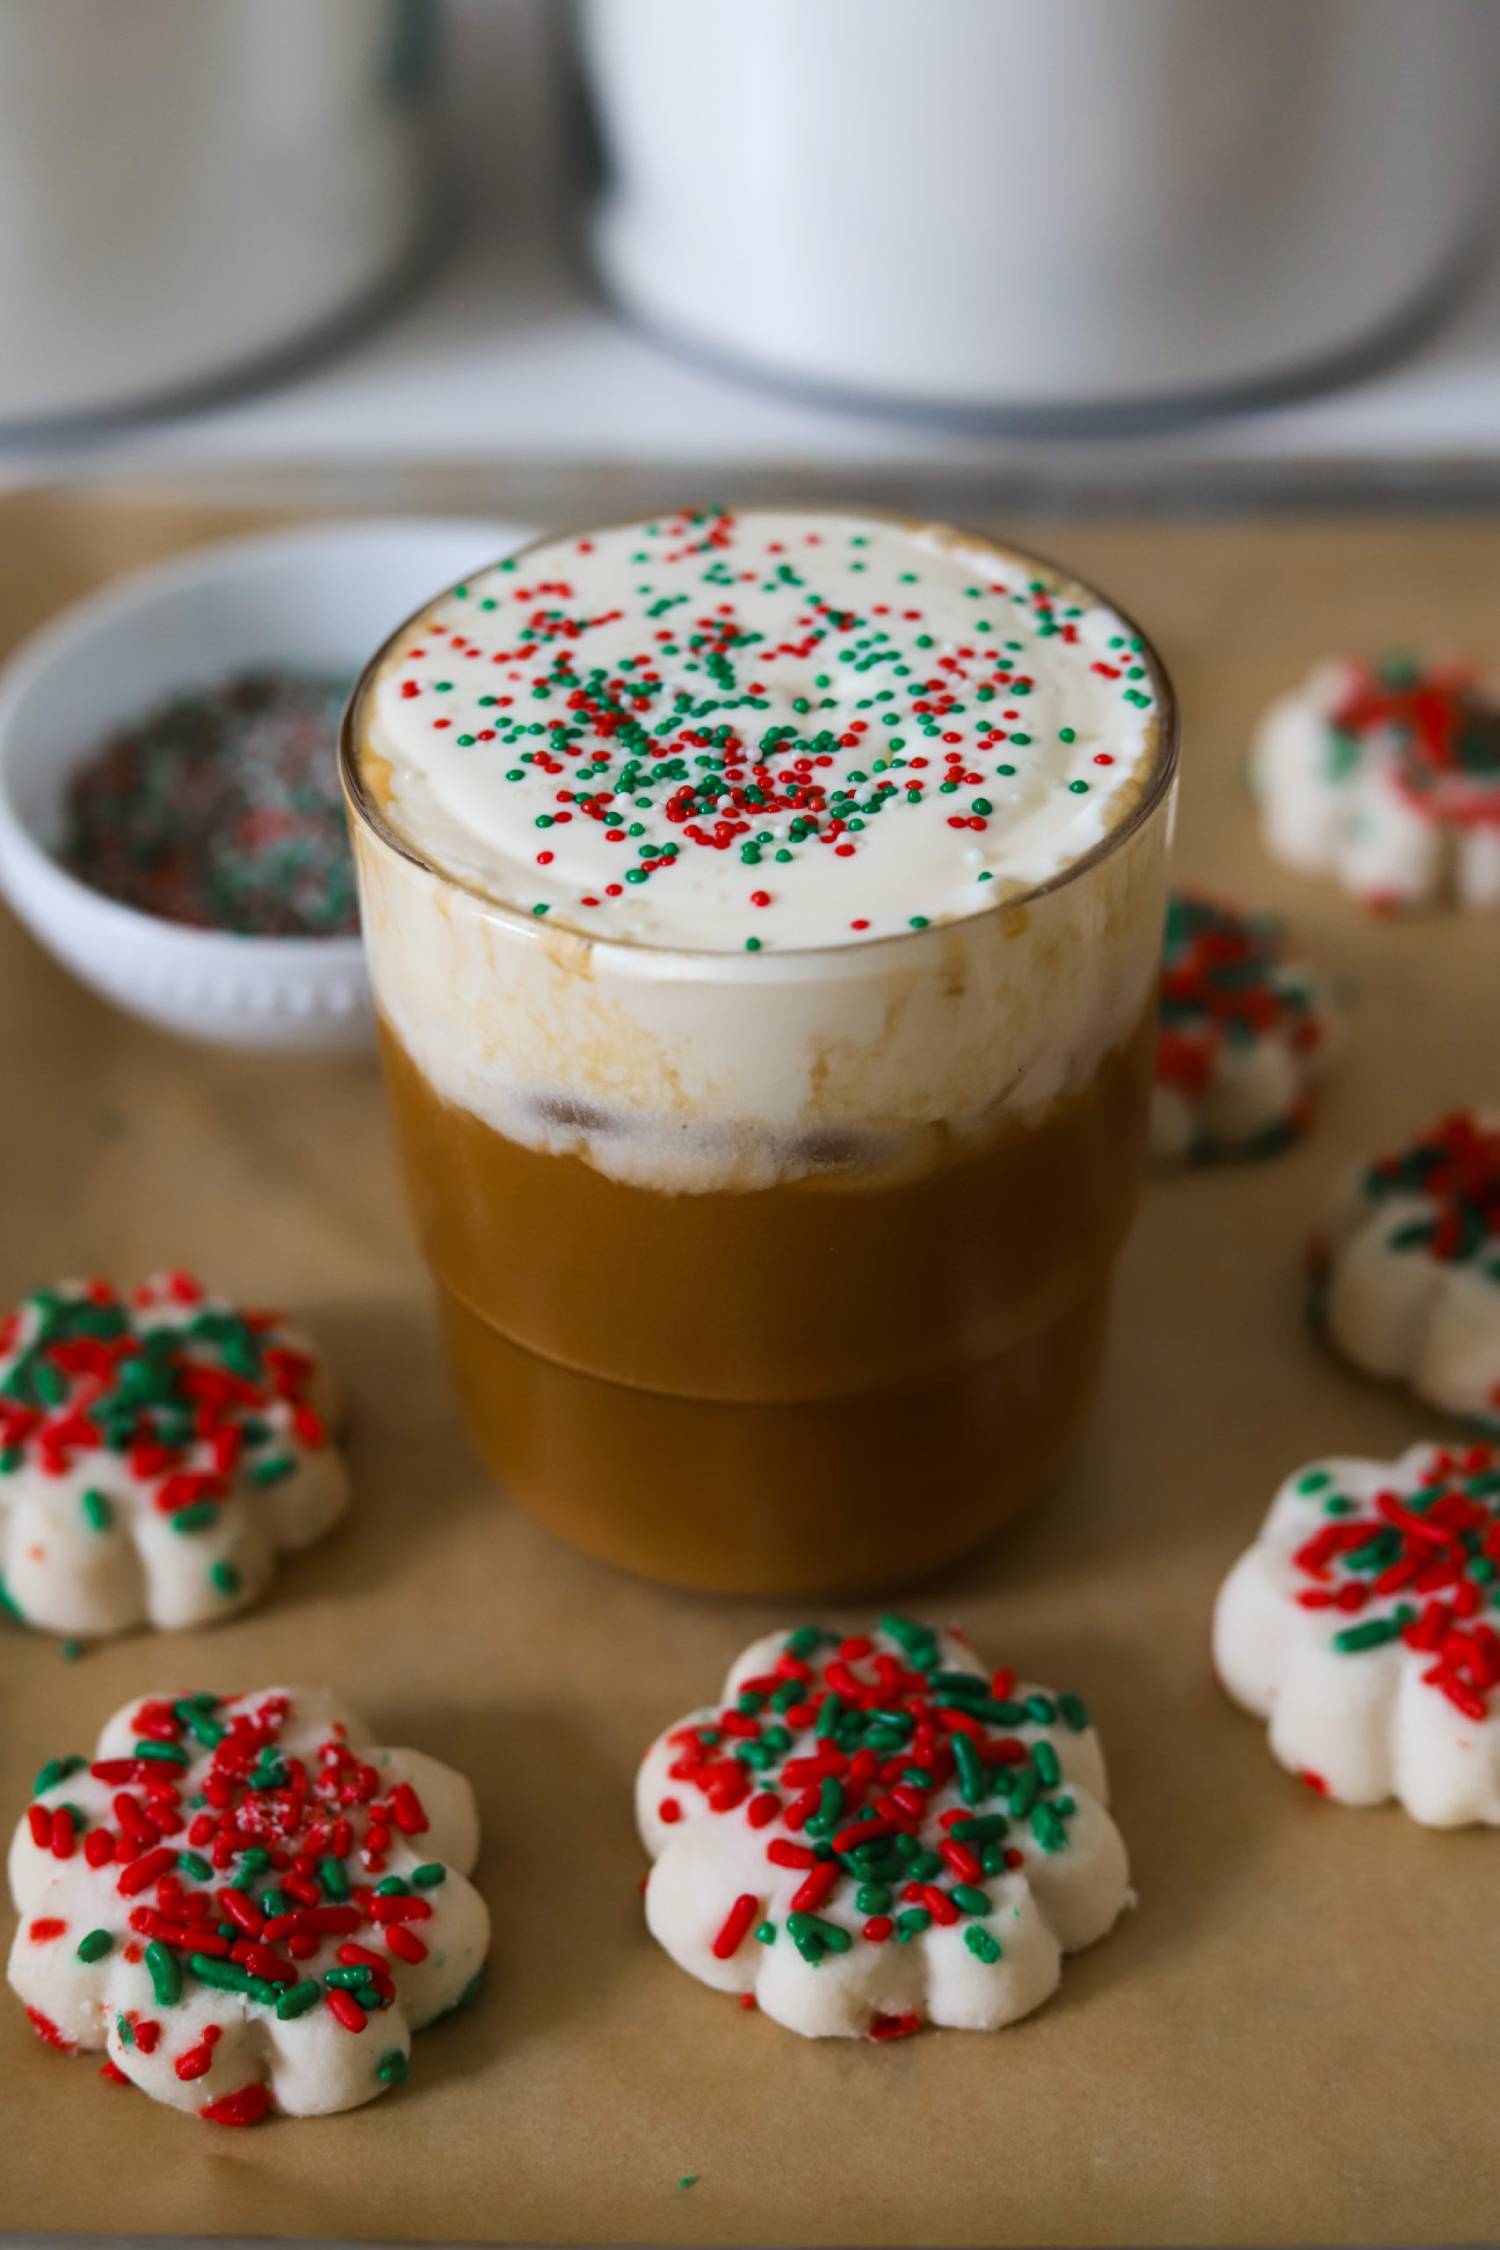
(1040, 206)
(188, 186)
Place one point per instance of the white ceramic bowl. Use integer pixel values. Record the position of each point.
(324, 597)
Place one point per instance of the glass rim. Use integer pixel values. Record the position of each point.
(363, 809)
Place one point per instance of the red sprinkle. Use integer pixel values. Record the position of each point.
(247, 2105)
(736, 1925)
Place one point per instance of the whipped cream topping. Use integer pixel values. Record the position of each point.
(766, 730)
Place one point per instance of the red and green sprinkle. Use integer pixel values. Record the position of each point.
(222, 809)
(838, 1752)
(1418, 1566)
(249, 1868)
(679, 751)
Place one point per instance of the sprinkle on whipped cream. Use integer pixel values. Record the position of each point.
(769, 729)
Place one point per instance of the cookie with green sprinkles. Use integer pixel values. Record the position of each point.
(873, 1831)
(159, 1449)
(1364, 1626)
(1406, 1270)
(1243, 1035)
(246, 1907)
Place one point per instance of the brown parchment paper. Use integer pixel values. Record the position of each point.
(1294, 2036)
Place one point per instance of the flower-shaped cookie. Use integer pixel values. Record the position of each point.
(1242, 1036)
(1388, 777)
(874, 1833)
(247, 1908)
(1363, 1625)
(1406, 1273)
(157, 1452)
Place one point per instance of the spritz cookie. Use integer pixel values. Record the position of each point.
(158, 1451)
(1387, 776)
(1244, 1033)
(245, 1907)
(1363, 1625)
(1406, 1273)
(872, 1833)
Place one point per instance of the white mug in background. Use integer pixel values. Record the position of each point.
(1076, 210)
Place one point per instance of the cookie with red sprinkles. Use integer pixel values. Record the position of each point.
(1406, 1272)
(159, 1449)
(1364, 1625)
(1387, 776)
(244, 1906)
(873, 1832)
(1243, 1035)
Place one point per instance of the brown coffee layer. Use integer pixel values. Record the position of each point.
(808, 1388)
(839, 1283)
(814, 1496)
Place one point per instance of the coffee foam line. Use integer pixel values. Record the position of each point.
(733, 1073)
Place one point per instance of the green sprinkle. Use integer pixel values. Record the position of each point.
(273, 1471)
(429, 1874)
(1045, 1759)
(54, 1771)
(165, 1971)
(198, 1517)
(334, 1880)
(765, 1933)
(392, 2068)
(224, 1578)
(973, 1782)
(971, 1900)
(225, 1975)
(97, 1512)
(828, 1935)
(1048, 1829)
(194, 1866)
(298, 1998)
(1373, 1633)
(95, 1945)
(982, 1945)
(199, 1723)
(985, 1828)
(1074, 1712)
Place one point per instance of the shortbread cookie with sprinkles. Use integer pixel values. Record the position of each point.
(1243, 1037)
(868, 1834)
(158, 1451)
(1406, 1274)
(1387, 776)
(248, 1909)
(1363, 1625)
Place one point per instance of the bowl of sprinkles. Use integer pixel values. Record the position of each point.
(171, 827)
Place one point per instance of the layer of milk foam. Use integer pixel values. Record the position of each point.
(727, 1067)
(761, 731)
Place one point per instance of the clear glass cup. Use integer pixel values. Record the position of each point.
(779, 1272)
